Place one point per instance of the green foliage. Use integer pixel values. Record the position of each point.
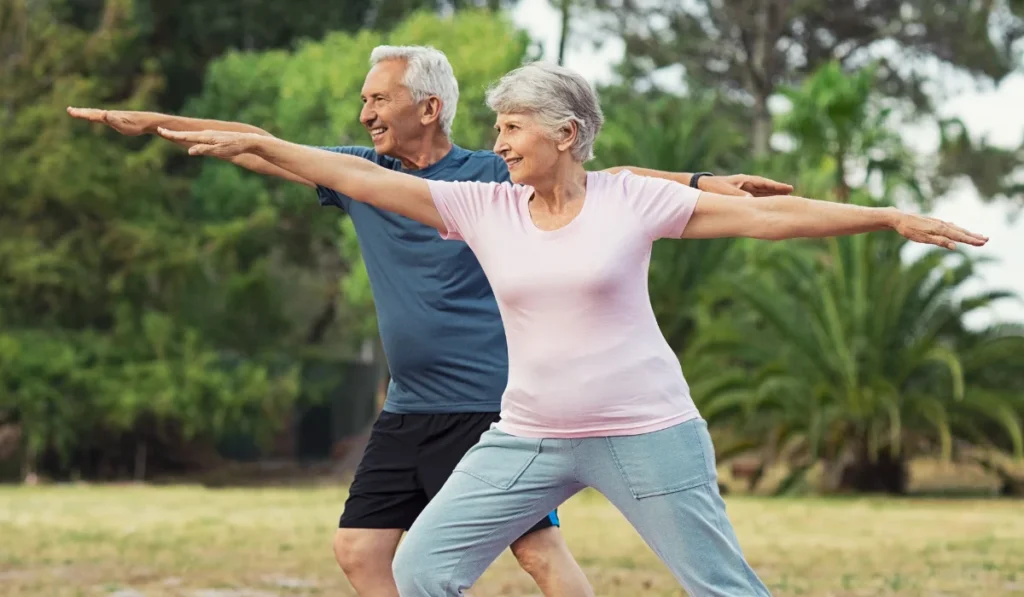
(183, 37)
(852, 353)
(843, 135)
(99, 259)
(748, 51)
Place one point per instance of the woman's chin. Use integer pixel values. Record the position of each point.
(517, 176)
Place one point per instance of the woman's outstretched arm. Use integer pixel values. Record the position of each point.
(783, 217)
(355, 177)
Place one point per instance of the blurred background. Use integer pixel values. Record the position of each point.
(179, 324)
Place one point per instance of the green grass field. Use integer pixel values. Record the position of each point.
(133, 540)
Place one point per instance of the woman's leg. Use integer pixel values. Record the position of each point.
(666, 485)
(500, 488)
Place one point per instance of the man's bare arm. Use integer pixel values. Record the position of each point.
(741, 185)
(133, 124)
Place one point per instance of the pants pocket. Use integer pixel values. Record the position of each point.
(499, 459)
(674, 459)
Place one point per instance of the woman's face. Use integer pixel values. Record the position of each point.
(527, 148)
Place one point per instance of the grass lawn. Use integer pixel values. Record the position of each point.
(135, 540)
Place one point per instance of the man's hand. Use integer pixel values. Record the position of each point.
(218, 144)
(743, 185)
(125, 122)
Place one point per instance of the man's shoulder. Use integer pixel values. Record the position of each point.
(482, 166)
(367, 153)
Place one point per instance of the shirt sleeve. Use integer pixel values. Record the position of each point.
(664, 207)
(328, 196)
(462, 205)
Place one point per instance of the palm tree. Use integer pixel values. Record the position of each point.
(854, 359)
(659, 130)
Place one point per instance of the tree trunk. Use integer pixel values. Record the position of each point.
(762, 126)
(884, 474)
(140, 460)
(563, 39)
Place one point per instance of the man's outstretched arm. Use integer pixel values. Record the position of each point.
(743, 185)
(133, 124)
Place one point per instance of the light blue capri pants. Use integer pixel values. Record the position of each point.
(664, 483)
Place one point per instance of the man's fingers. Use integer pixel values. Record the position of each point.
(190, 136)
(90, 114)
(767, 185)
(173, 135)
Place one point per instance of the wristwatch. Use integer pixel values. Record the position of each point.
(696, 178)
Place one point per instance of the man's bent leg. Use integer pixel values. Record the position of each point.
(544, 554)
(384, 500)
(365, 556)
(501, 486)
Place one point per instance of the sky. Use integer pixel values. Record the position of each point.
(996, 113)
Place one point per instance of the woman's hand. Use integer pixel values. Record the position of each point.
(933, 231)
(219, 144)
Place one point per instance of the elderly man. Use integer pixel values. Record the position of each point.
(438, 319)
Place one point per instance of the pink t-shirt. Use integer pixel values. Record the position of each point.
(586, 355)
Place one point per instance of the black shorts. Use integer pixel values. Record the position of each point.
(407, 460)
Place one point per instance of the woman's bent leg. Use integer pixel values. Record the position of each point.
(666, 485)
(501, 488)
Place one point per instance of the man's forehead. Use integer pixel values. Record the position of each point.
(384, 76)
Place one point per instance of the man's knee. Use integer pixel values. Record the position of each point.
(539, 551)
(365, 550)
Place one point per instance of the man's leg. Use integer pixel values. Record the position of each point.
(384, 500)
(365, 556)
(542, 551)
(665, 484)
(544, 554)
(502, 484)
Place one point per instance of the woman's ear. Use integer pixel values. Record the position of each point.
(568, 135)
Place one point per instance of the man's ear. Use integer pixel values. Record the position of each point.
(430, 110)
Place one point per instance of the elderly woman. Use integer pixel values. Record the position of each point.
(595, 396)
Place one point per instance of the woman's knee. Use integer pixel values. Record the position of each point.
(416, 574)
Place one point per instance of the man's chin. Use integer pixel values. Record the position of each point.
(382, 145)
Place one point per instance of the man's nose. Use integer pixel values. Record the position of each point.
(367, 115)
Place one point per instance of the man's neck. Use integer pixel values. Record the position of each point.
(423, 152)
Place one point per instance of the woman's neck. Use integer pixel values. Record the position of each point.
(568, 184)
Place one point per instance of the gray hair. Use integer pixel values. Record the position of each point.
(427, 73)
(556, 96)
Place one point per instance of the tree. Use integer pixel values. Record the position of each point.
(181, 38)
(747, 49)
(857, 360)
(97, 261)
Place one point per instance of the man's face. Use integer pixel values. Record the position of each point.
(389, 112)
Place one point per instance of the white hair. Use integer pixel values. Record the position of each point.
(556, 96)
(427, 73)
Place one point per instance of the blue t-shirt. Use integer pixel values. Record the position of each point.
(438, 320)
